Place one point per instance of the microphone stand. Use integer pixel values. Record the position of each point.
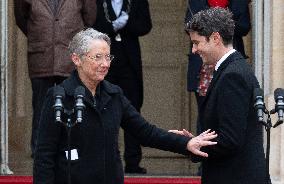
(268, 126)
(59, 93)
(68, 125)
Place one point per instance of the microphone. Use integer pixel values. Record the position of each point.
(279, 106)
(259, 104)
(79, 106)
(58, 95)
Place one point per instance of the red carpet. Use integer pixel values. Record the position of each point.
(128, 180)
(161, 180)
(15, 179)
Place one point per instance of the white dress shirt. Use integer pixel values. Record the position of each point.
(223, 59)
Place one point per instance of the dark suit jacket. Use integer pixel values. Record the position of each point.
(139, 24)
(238, 158)
(241, 16)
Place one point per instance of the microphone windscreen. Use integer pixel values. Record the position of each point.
(278, 92)
(58, 91)
(257, 92)
(79, 91)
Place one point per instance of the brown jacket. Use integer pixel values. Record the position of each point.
(49, 32)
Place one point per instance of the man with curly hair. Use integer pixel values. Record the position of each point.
(227, 108)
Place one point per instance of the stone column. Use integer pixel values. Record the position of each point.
(20, 99)
(277, 81)
(4, 87)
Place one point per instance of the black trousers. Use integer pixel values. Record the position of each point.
(126, 79)
(39, 88)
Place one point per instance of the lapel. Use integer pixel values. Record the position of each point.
(124, 5)
(110, 10)
(107, 90)
(232, 58)
(60, 5)
(49, 5)
(52, 8)
(105, 97)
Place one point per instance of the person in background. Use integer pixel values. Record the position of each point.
(95, 156)
(49, 26)
(125, 21)
(228, 107)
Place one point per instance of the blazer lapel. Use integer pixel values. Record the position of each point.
(49, 5)
(110, 10)
(55, 6)
(125, 5)
(233, 57)
(60, 4)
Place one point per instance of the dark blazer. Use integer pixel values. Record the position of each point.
(238, 158)
(241, 17)
(96, 138)
(139, 24)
